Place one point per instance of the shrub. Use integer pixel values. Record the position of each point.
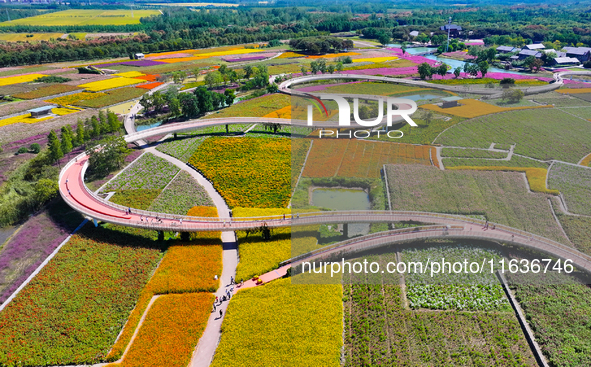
(21, 150)
(35, 148)
(52, 79)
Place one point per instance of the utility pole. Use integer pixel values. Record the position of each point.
(448, 30)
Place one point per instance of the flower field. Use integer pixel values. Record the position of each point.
(170, 331)
(256, 107)
(463, 292)
(515, 161)
(586, 161)
(532, 139)
(204, 211)
(380, 331)
(574, 182)
(188, 268)
(182, 148)
(558, 315)
(109, 84)
(74, 98)
(130, 74)
(258, 256)
(181, 194)
(72, 311)
(282, 113)
(472, 153)
(382, 89)
(376, 59)
(500, 196)
(331, 56)
(280, 322)
(577, 229)
(536, 177)
(248, 172)
(150, 85)
(112, 97)
(471, 108)
(49, 90)
(27, 119)
(84, 17)
(360, 158)
(147, 172)
(138, 199)
(19, 79)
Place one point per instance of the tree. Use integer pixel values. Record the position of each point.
(425, 71)
(114, 124)
(179, 76)
(339, 66)
(146, 102)
(67, 138)
(80, 133)
(247, 71)
(272, 88)
(458, 72)
(384, 38)
(230, 96)
(442, 69)
(403, 48)
(473, 69)
(45, 190)
(213, 78)
(96, 127)
(536, 65)
(330, 68)
(175, 107)
(107, 157)
(55, 148)
(204, 100)
(315, 67)
(303, 70)
(189, 105)
(507, 82)
(158, 101)
(512, 95)
(483, 67)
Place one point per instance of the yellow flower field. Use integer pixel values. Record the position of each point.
(473, 108)
(256, 255)
(110, 84)
(536, 177)
(130, 74)
(280, 322)
(289, 54)
(574, 90)
(27, 119)
(19, 79)
(282, 113)
(199, 56)
(376, 59)
(170, 331)
(73, 98)
(586, 161)
(330, 56)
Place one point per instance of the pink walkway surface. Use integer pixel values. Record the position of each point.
(266, 278)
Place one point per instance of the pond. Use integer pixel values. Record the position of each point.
(451, 62)
(422, 97)
(146, 127)
(344, 199)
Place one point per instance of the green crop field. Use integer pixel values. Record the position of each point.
(567, 138)
(84, 17)
(501, 196)
(22, 37)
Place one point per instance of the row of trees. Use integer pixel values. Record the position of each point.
(89, 129)
(317, 45)
(189, 105)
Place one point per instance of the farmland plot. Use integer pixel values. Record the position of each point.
(501, 196)
(380, 331)
(574, 182)
(538, 133)
(149, 172)
(183, 193)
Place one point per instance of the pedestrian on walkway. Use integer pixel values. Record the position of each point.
(221, 313)
(213, 307)
(216, 299)
(231, 280)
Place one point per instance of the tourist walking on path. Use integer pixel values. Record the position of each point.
(221, 313)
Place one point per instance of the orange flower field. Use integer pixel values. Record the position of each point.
(360, 158)
(170, 331)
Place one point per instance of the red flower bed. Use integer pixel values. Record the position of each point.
(150, 85)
